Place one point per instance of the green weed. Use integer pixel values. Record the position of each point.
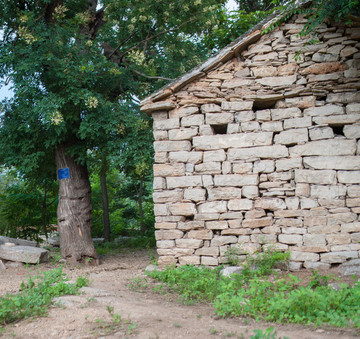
(116, 324)
(191, 282)
(153, 259)
(234, 256)
(269, 333)
(256, 294)
(138, 284)
(319, 280)
(213, 331)
(264, 262)
(36, 296)
(55, 258)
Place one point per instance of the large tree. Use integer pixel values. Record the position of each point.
(72, 65)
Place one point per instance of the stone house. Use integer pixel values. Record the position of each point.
(257, 148)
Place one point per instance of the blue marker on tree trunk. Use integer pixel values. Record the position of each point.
(63, 173)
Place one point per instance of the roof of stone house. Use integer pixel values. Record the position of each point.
(155, 101)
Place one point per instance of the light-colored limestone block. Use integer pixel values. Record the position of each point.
(167, 196)
(224, 141)
(271, 204)
(168, 234)
(292, 136)
(320, 177)
(186, 209)
(194, 194)
(264, 152)
(184, 181)
(325, 148)
(240, 204)
(224, 193)
(319, 133)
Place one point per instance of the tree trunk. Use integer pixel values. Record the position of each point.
(74, 210)
(141, 211)
(43, 214)
(105, 200)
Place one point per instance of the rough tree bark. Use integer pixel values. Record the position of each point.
(74, 210)
(43, 214)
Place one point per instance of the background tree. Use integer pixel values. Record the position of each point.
(71, 62)
(249, 13)
(235, 23)
(320, 11)
(135, 159)
(27, 207)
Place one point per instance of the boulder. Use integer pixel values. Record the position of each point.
(351, 267)
(26, 254)
(228, 271)
(151, 268)
(20, 242)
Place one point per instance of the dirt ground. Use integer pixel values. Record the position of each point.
(139, 313)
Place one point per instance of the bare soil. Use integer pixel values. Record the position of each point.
(140, 312)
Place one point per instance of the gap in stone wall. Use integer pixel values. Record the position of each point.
(263, 104)
(337, 129)
(219, 129)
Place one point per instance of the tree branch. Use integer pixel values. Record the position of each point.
(156, 35)
(151, 77)
(122, 43)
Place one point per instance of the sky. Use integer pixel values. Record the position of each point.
(5, 91)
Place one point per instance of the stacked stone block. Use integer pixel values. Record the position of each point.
(263, 149)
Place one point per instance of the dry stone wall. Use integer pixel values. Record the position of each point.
(263, 150)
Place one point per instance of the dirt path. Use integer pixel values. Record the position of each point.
(139, 313)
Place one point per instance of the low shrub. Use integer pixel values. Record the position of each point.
(256, 294)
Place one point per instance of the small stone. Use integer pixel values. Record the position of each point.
(151, 268)
(228, 271)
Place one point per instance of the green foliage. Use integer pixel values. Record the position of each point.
(192, 283)
(269, 333)
(321, 305)
(138, 284)
(124, 211)
(138, 242)
(117, 322)
(262, 297)
(318, 279)
(36, 296)
(22, 207)
(249, 13)
(85, 65)
(259, 263)
(319, 11)
(232, 25)
(265, 261)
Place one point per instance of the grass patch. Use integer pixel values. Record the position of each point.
(257, 294)
(36, 296)
(116, 324)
